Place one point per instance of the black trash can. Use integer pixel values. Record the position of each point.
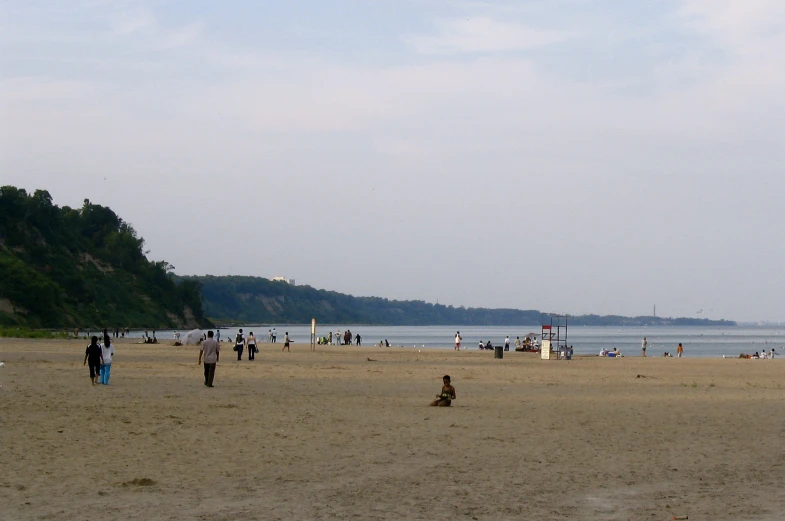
(499, 351)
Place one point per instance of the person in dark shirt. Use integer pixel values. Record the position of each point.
(93, 355)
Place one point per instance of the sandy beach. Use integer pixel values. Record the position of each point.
(332, 435)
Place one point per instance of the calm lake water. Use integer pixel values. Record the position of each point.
(697, 341)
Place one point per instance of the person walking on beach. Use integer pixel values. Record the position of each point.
(517, 343)
(211, 351)
(679, 350)
(107, 352)
(239, 343)
(286, 341)
(458, 339)
(358, 339)
(347, 337)
(93, 355)
(274, 335)
(644, 345)
(507, 343)
(330, 339)
(250, 343)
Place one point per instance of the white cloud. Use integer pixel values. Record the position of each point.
(180, 36)
(36, 89)
(476, 35)
(743, 28)
(304, 97)
(128, 22)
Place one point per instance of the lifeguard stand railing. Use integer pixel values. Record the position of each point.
(554, 335)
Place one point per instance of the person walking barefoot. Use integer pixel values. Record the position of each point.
(93, 355)
(286, 341)
(107, 352)
(211, 351)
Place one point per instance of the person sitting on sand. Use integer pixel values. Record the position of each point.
(444, 399)
(489, 345)
(616, 352)
(481, 346)
(603, 352)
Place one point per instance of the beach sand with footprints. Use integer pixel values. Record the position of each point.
(334, 435)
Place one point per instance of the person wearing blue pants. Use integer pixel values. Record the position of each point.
(107, 352)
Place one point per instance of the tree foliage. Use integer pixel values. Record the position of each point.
(258, 300)
(86, 267)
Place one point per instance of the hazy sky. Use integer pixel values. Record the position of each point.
(564, 155)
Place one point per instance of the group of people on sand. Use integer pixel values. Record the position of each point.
(249, 343)
(99, 357)
(763, 355)
(527, 344)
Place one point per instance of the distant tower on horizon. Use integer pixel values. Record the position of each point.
(655, 311)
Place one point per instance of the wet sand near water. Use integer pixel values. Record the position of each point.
(332, 435)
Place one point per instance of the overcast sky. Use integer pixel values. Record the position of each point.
(565, 155)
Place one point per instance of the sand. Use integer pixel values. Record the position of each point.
(331, 435)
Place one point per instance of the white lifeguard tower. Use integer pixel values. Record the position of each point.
(554, 336)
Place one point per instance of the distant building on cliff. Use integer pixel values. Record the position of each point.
(283, 279)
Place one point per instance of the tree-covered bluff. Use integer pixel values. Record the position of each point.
(255, 300)
(86, 267)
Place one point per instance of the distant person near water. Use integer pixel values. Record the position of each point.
(644, 345)
(446, 396)
(274, 336)
(679, 351)
(211, 351)
(358, 339)
(458, 339)
(107, 351)
(507, 343)
(286, 341)
(93, 355)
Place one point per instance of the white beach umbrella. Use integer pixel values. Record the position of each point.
(192, 337)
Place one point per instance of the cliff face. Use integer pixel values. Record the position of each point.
(62, 267)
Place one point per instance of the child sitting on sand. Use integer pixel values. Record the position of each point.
(446, 396)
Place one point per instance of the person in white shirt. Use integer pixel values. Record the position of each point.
(107, 352)
(250, 344)
(507, 343)
(458, 341)
(644, 345)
